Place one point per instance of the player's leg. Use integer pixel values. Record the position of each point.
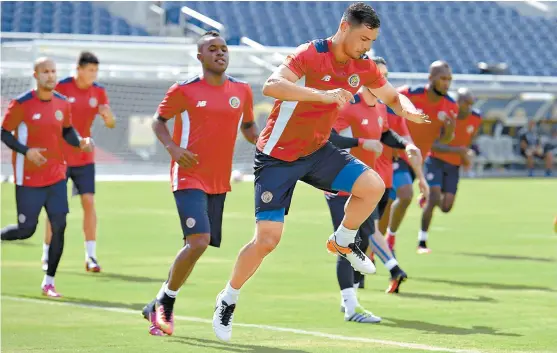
(529, 155)
(30, 201)
(275, 181)
(451, 178)
(385, 211)
(434, 171)
(57, 210)
(402, 186)
(548, 159)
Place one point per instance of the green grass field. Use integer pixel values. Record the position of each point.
(489, 285)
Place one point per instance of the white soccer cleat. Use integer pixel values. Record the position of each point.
(353, 254)
(363, 316)
(222, 318)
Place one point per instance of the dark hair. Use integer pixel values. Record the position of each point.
(361, 13)
(378, 60)
(87, 57)
(201, 40)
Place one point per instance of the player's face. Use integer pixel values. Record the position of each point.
(88, 73)
(45, 74)
(358, 39)
(465, 106)
(442, 81)
(214, 55)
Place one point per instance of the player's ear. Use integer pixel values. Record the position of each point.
(199, 57)
(344, 26)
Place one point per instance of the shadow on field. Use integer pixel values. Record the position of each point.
(119, 277)
(227, 347)
(507, 257)
(446, 298)
(89, 302)
(444, 329)
(487, 285)
(24, 243)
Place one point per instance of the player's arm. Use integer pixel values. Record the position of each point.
(343, 142)
(399, 103)
(71, 136)
(248, 126)
(106, 112)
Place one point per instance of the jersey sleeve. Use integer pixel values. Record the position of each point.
(68, 115)
(103, 97)
(344, 119)
(298, 61)
(247, 116)
(172, 104)
(14, 116)
(373, 77)
(383, 109)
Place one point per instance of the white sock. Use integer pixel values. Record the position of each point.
(422, 235)
(390, 232)
(47, 280)
(350, 300)
(170, 293)
(345, 236)
(230, 295)
(391, 264)
(356, 286)
(91, 249)
(161, 291)
(46, 247)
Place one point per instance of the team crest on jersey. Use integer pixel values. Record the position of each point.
(71, 99)
(234, 102)
(93, 102)
(190, 222)
(266, 197)
(470, 129)
(59, 115)
(354, 80)
(380, 121)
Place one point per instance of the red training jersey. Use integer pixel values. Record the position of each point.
(38, 124)
(384, 164)
(465, 130)
(85, 107)
(207, 119)
(297, 129)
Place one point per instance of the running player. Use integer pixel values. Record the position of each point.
(207, 110)
(41, 120)
(443, 165)
(294, 146)
(434, 101)
(87, 99)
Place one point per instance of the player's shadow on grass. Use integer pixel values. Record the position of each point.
(446, 298)
(444, 329)
(121, 277)
(20, 243)
(488, 285)
(507, 257)
(231, 347)
(89, 302)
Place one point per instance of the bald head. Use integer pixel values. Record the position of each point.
(465, 100)
(464, 94)
(41, 62)
(438, 67)
(45, 73)
(440, 77)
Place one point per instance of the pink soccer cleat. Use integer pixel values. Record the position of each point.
(422, 200)
(150, 315)
(50, 291)
(91, 265)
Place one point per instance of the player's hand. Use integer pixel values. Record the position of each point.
(339, 96)
(183, 157)
(468, 156)
(86, 144)
(412, 150)
(424, 187)
(106, 113)
(415, 116)
(373, 145)
(35, 156)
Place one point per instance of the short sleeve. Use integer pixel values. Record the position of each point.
(173, 103)
(14, 116)
(298, 61)
(383, 116)
(247, 116)
(373, 78)
(103, 97)
(68, 115)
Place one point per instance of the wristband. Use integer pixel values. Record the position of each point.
(361, 142)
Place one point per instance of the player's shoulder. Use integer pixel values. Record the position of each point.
(476, 113)
(24, 97)
(415, 90)
(98, 86)
(238, 82)
(449, 99)
(320, 46)
(65, 80)
(59, 96)
(191, 81)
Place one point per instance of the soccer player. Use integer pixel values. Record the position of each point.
(207, 110)
(87, 99)
(41, 119)
(442, 109)
(443, 165)
(294, 146)
(531, 147)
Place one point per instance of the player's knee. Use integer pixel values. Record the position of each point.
(434, 197)
(404, 195)
(198, 243)
(26, 231)
(267, 237)
(88, 201)
(58, 223)
(369, 185)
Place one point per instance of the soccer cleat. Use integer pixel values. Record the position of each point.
(422, 200)
(164, 317)
(50, 291)
(362, 316)
(397, 277)
(91, 265)
(360, 262)
(222, 318)
(422, 248)
(150, 315)
(44, 265)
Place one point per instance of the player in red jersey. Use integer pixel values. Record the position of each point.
(294, 146)
(443, 164)
(207, 110)
(41, 120)
(434, 101)
(87, 99)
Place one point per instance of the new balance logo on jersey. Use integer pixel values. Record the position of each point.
(201, 104)
(365, 122)
(36, 116)
(326, 78)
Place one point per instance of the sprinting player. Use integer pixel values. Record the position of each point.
(531, 147)
(207, 110)
(443, 165)
(41, 119)
(433, 101)
(87, 99)
(294, 146)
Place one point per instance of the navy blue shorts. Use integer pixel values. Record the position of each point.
(328, 168)
(200, 213)
(83, 179)
(403, 174)
(31, 200)
(336, 207)
(443, 174)
(382, 205)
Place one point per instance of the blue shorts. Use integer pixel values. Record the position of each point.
(402, 175)
(200, 213)
(83, 178)
(31, 200)
(336, 207)
(442, 174)
(328, 168)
